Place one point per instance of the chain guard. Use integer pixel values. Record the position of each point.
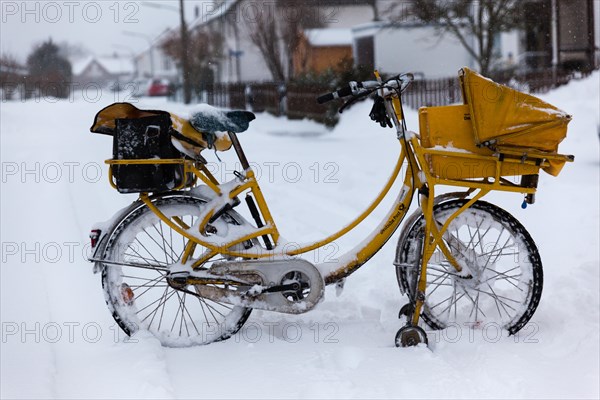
(264, 294)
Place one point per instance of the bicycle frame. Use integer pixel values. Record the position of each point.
(416, 178)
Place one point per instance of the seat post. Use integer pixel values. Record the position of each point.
(238, 149)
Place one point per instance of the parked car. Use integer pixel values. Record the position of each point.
(138, 87)
(159, 87)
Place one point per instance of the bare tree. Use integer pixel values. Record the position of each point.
(73, 50)
(295, 18)
(263, 33)
(278, 32)
(482, 20)
(12, 75)
(203, 48)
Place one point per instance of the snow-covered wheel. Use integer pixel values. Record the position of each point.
(506, 283)
(137, 291)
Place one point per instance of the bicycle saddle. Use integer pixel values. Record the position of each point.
(206, 128)
(221, 121)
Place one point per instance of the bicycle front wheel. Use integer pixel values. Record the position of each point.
(506, 279)
(137, 292)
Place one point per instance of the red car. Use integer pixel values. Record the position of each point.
(159, 87)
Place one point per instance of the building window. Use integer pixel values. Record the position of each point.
(365, 53)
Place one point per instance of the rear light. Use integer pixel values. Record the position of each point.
(94, 236)
(127, 294)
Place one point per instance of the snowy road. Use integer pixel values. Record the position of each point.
(59, 340)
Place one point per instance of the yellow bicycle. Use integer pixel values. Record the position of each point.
(182, 263)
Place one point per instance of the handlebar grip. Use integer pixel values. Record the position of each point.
(343, 92)
(325, 98)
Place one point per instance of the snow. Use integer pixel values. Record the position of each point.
(113, 65)
(449, 148)
(329, 37)
(117, 65)
(59, 340)
(79, 65)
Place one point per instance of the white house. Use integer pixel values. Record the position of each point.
(154, 63)
(234, 19)
(103, 70)
(410, 47)
(557, 33)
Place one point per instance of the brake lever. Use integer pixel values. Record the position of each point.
(347, 104)
(353, 99)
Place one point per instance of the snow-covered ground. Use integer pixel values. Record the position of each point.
(59, 340)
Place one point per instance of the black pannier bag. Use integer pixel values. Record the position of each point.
(145, 138)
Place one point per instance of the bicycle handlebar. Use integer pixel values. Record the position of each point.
(353, 88)
(400, 81)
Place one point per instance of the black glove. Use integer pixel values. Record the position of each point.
(379, 114)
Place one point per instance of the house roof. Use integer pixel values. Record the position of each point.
(113, 65)
(329, 37)
(77, 66)
(225, 6)
(117, 65)
(221, 10)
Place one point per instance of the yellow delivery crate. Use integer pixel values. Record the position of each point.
(448, 130)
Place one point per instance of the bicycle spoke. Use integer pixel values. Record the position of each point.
(475, 304)
(147, 284)
(164, 301)
(164, 245)
(138, 255)
(147, 251)
(191, 319)
(139, 286)
(145, 291)
(182, 321)
(441, 302)
(480, 241)
(136, 277)
(438, 285)
(176, 314)
(157, 244)
(496, 300)
(203, 310)
(474, 307)
(453, 302)
(163, 304)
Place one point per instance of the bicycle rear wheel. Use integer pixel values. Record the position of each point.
(507, 278)
(137, 291)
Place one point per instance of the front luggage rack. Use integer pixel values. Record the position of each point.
(452, 166)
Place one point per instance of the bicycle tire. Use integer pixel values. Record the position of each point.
(486, 217)
(201, 323)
